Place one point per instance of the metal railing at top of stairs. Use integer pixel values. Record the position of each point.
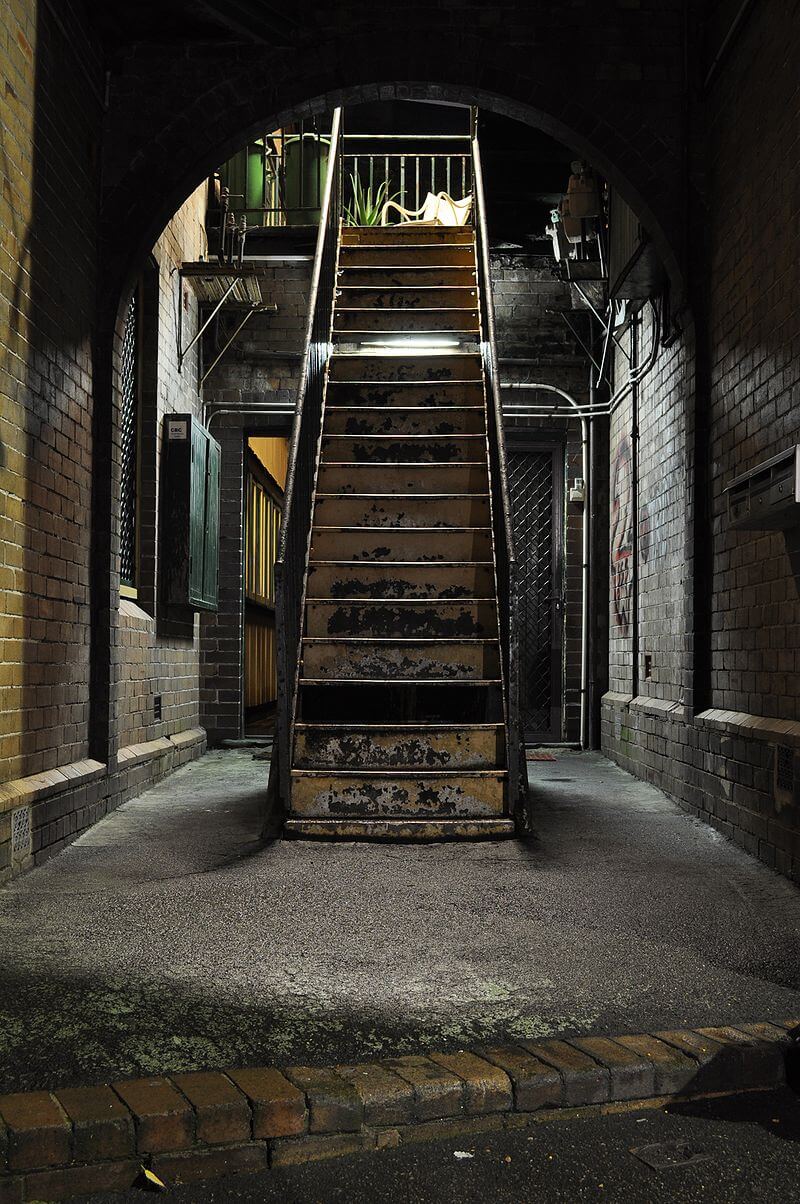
(505, 561)
(293, 550)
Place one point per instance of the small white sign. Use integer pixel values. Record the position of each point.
(177, 430)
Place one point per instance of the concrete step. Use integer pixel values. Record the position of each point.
(417, 830)
(447, 479)
(406, 234)
(392, 255)
(424, 276)
(421, 544)
(411, 420)
(409, 449)
(405, 395)
(405, 321)
(397, 510)
(323, 794)
(347, 746)
(422, 619)
(421, 368)
(351, 296)
(411, 660)
(438, 581)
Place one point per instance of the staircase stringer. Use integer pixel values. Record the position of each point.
(500, 512)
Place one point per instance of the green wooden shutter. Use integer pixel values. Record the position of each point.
(211, 541)
(197, 514)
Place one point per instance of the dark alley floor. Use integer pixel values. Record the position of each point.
(169, 938)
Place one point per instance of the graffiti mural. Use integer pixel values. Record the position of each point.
(622, 535)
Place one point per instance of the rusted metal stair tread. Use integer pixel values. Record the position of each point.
(401, 618)
(401, 681)
(387, 793)
(403, 511)
(399, 829)
(370, 544)
(427, 275)
(397, 747)
(403, 232)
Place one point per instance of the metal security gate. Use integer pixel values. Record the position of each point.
(536, 488)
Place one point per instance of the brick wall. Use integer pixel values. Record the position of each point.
(534, 343)
(263, 367)
(159, 655)
(723, 625)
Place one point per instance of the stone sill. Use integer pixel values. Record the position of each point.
(137, 754)
(24, 792)
(753, 727)
(661, 708)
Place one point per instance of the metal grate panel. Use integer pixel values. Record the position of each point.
(129, 443)
(530, 482)
(20, 832)
(784, 768)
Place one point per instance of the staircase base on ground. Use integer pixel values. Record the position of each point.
(398, 829)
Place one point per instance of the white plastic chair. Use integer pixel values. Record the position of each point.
(438, 209)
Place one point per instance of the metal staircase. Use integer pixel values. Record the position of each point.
(399, 712)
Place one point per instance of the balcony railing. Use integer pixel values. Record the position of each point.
(406, 167)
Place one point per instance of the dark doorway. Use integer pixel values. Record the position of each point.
(536, 487)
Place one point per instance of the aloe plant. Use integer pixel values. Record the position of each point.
(366, 209)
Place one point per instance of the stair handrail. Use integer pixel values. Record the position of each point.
(505, 559)
(295, 537)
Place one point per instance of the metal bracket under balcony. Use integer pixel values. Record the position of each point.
(221, 285)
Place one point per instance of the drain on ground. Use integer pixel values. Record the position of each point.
(663, 1154)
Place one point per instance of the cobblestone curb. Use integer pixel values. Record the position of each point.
(204, 1124)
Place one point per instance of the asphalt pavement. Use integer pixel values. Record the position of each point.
(169, 938)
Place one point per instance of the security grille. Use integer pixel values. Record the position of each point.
(129, 440)
(530, 481)
(784, 768)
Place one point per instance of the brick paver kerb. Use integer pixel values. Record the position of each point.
(487, 1088)
(585, 1080)
(536, 1085)
(386, 1098)
(221, 1110)
(674, 1071)
(39, 1133)
(334, 1104)
(632, 1074)
(102, 1125)
(437, 1092)
(278, 1107)
(164, 1118)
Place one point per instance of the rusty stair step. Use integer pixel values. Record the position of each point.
(397, 510)
(393, 255)
(403, 449)
(405, 394)
(381, 793)
(399, 746)
(422, 544)
(406, 321)
(373, 659)
(417, 830)
(439, 580)
(408, 420)
(405, 233)
(402, 618)
(403, 700)
(422, 275)
(417, 369)
(403, 297)
(366, 478)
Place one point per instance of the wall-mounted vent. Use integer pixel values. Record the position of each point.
(768, 496)
(784, 769)
(20, 833)
(157, 708)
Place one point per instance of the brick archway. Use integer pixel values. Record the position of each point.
(174, 117)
